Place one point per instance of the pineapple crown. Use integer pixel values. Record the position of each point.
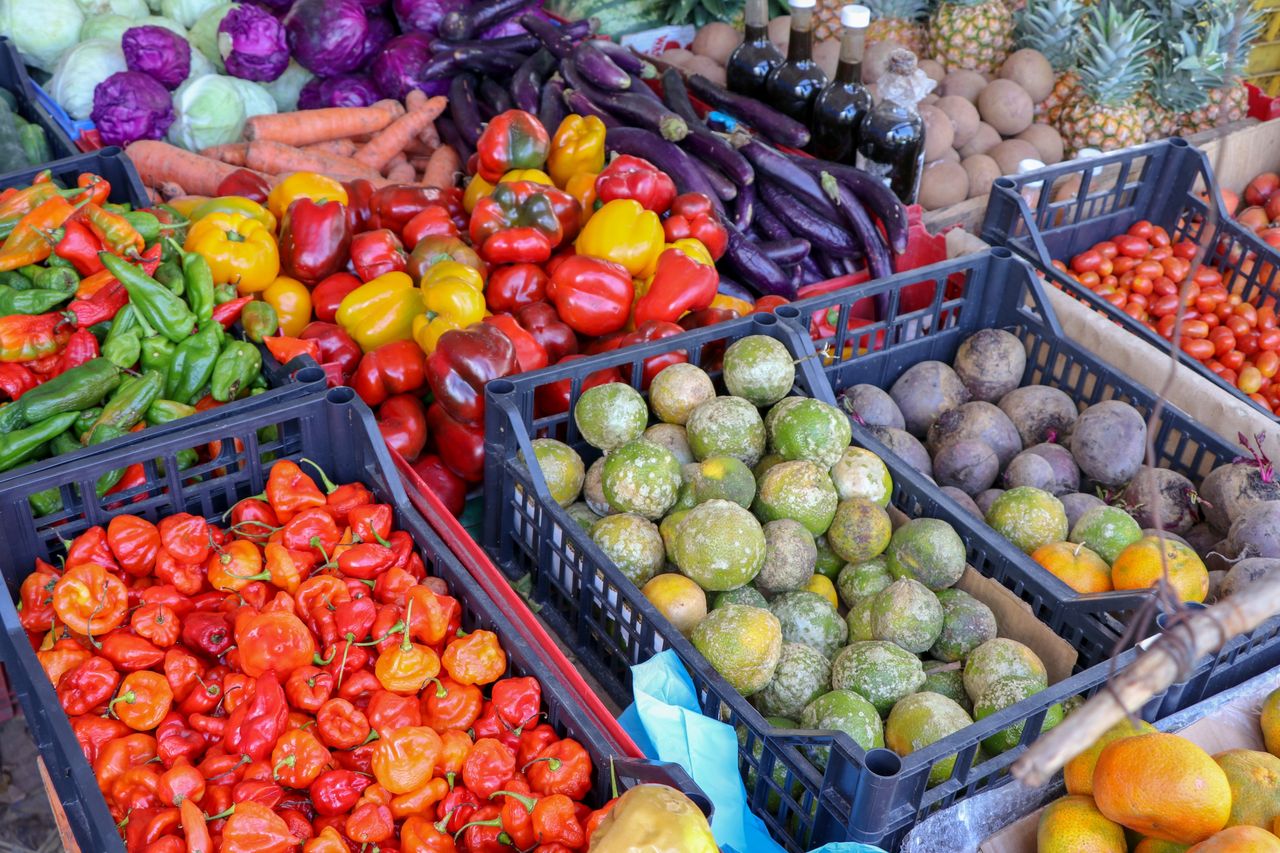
(1053, 28)
(1240, 23)
(1115, 60)
(902, 10)
(1185, 71)
(702, 12)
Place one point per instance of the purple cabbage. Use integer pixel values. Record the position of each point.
(158, 53)
(424, 16)
(344, 90)
(381, 30)
(327, 36)
(131, 105)
(253, 43)
(278, 7)
(401, 66)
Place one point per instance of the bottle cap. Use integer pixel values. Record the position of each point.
(855, 17)
(803, 4)
(1029, 165)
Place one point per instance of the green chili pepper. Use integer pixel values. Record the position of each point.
(154, 302)
(63, 279)
(15, 279)
(167, 411)
(186, 459)
(225, 293)
(127, 406)
(122, 208)
(30, 271)
(28, 301)
(123, 350)
(56, 260)
(45, 503)
(237, 366)
(78, 388)
(87, 419)
(64, 442)
(259, 320)
(19, 446)
(169, 274)
(157, 353)
(145, 224)
(192, 364)
(199, 280)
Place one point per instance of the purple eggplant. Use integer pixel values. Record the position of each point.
(464, 110)
(828, 234)
(879, 260)
(771, 164)
(828, 266)
(449, 134)
(624, 58)
(551, 108)
(786, 253)
(676, 95)
(598, 69)
(579, 103)
(874, 193)
(707, 145)
(731, 288)
(756, 269)
(554, 38)
(687, 173)
(765, 119)
(769, 225)
(478, 17)
(630, 107)
(529, 79)
(492, 93)
(809, 270)
(744, 206)
(521, 43)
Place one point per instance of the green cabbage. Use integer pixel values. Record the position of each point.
(257, 100)
(204, 33)
(210, 111)
(187, 12)
(128, 8)
(286, 87)
(42, 30)
(107, 26)
(80, 71)
(161, 21)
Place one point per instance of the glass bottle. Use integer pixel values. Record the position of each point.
(839, 108)
(891, 138)
(792, 87)
(750, 63)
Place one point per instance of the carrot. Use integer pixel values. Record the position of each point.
(308, 126)
(395, 161)
(275, 158)
(443, 167)
(430, 138)
(392, 140)
(233, 153)
(341, 147)
(401, 173)
(160, 163)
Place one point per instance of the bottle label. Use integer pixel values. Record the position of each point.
(876, 169)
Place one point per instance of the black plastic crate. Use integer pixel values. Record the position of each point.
(866, 796)
(13, 76)
(1103, 196)
(996, 290)
(337, 432)
(111, 163)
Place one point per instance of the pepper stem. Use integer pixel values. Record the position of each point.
(223, 814)
(316, 660)
(329, 486)
(128, 696)
(552, 762)
(523, 799)
(494, 822)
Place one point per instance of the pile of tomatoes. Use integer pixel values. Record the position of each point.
(1147, 275)
(294, 679)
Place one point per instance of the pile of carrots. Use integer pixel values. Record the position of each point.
(386, 143)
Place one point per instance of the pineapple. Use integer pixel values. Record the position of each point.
(1228, 101)
(1184, 71)
(901, 21)
(1053, 28)
(1115, 63)
(974, 34)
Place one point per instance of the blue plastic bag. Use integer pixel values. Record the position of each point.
(667, 724)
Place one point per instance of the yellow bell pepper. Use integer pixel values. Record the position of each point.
(234, 204)
(536, 176)
(292, 302)
(303, 185)
(694, 250)
(454, 297)
(240, 250)
(477, 188)
(740, 305)
(381, 310)
(582, 187)
(624, 232)
(578, 146)
(186, 204)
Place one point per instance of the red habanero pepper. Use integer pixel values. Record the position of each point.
(374, 253)
(274, 640)
(26, 337)
(341, 500)
(254, 828)
(180, 782)
(638, 179)
(484, 833)
(207, 693)
(371, 522)
(195, 832)
(370, 823)
(91, 547)
(88, 686)
(94, 732)
(253, 519)
(476, 658)
(534, 740)
(312, 529)
(298, 758)
(80, 246)
(329, 840)
(355, 618)
(387, 711)
(36, 599)
(341, 725)
(530, 354)
(450, 705)
(119, 755)
(135, 543)
(328, 294)
(290, 490)
(561, 768)
(463, 362)
(185, 537)
(181, 669)
(255, 726)
(129, 652)
(490, 764)
(593, 296)
(514, 286)
(308, 688)
(176, 740)
(517, 816)
(157, 623)
(518, 700)
(336, 791)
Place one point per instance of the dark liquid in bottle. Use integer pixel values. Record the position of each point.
(750, 63)
(891, 146)
(837, 120)
(794, 85)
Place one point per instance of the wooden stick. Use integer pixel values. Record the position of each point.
(1154, 670)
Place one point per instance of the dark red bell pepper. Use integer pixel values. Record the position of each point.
(530, 354)
(593, 296)
(679, 285)
(515, 285)
(461, 446)
(359, 196)
(374, 253)
(314, 239)
(243, 182)
(402, 420)
(692, 215)
(463, 361)
(655, 330)
(553, 397)
(394, 205)
(517, 223)
(395, 368)
(638, 179)
(541, 320)
(514, 139)
(434, 220)
(336, 347)
(328, 294)
(448, 486)
(707, 317)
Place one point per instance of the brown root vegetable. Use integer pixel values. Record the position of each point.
(1028, 469)
(1229, 490)
(990, 363)
(966, 502)
(939, 133)
(926, 390)
(1160, 491)
(1066, 476)
(984, 139)
(965, 83)
(964, 118)
(1246, 572)
(1030, 70)
(980, 421)
(906, 447)
(871, 405)
(707, 67)
(1011, 152)
(951, 156)
(987, 498)
(1109, 442)
(1077, 504)
(982, 172)
(968, 465)
(1006, 106)
(827, 54)
(1039, 413)
(677, 56)
(1046, 140)
(716, 40)
(780, 32)
(1256, 533)
(943, 183)
(933, 68)
(1202, 538)
(876, 59)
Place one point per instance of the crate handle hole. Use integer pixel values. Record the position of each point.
(999, 252)
(1004, 183)
(787, 312)
(500, 386)
(308, 375)
(765, 320)
(883, 762)
(340, 395)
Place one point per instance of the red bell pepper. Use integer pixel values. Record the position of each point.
(680, 284)
(394, 205)
(655, 330)
(518, 222)
(245, 183)
(314, 239)
(530, 354)
(514, 286)
(336, 346)
(81, 347)
(399, 367)
(463, 361)
(514, 139)
(448, 486)
(374, 253)
(402, 420)
(80, 246)
(434, 220)
(692, 215)
(328, 294)
(542, 321)
(638, 179)
(553, 397)
(461, 446)
(593, 296)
